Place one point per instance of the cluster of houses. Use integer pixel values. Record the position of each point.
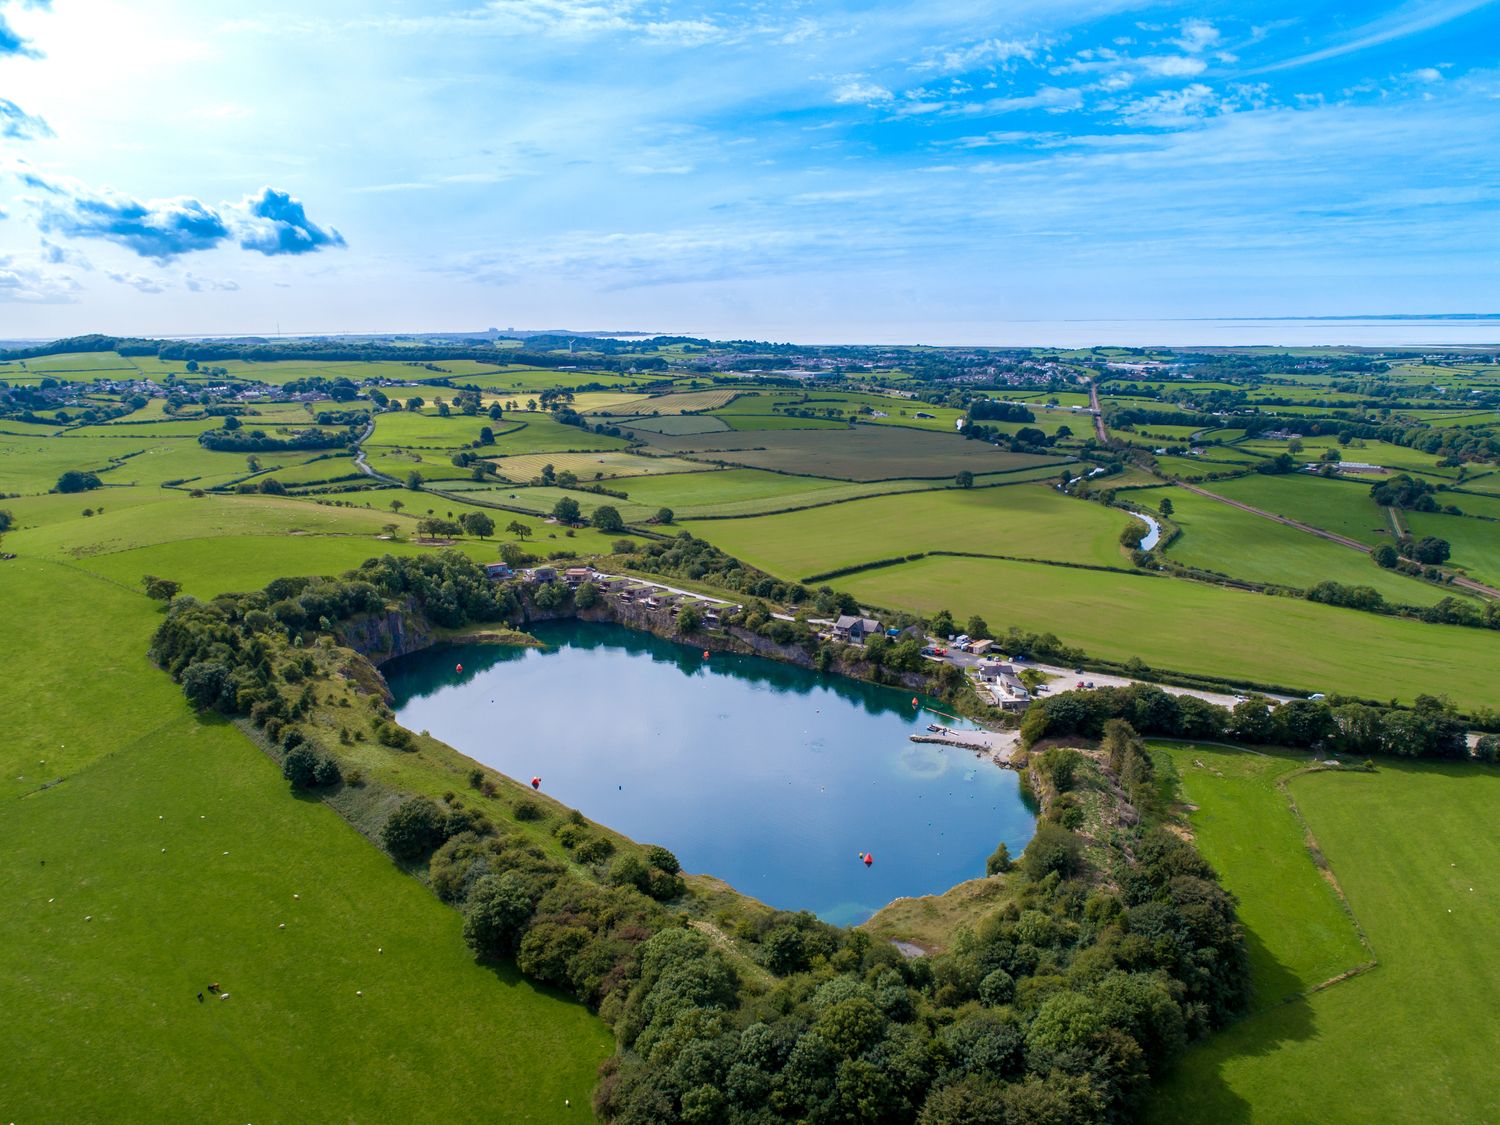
(624, 590)
(1004, 686)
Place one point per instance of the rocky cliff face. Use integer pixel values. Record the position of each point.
(385, 636)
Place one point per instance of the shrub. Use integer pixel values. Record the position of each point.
(1052, 849)
(596, 850)
(414, 829)
(663, 860)
(527, 809)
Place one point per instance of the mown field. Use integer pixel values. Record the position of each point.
(1206, 629)
(863, 453)
(1415, 850)
(1343, 507)
(1218, 537)
(167, 857)
(1027, 520)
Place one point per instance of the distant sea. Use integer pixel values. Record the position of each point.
(1363, 332)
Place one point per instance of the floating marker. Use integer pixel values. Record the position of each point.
(459, 668)
(869, 859)
(536, 783)
(705, 654)
(914, 701)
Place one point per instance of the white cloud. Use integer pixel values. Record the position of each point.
(1197, 35)
(136, 281)
(24, 282)
(985, 53)
(856, 92)
(1174, 66)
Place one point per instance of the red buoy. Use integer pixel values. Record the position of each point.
(914, 701)
(459, 668)
(869, 859)
(536, 783)
(705, 654)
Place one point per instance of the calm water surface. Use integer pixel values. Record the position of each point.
(769, 776)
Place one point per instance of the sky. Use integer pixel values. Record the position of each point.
(812, 170)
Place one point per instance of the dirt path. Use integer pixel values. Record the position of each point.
(1099, 430)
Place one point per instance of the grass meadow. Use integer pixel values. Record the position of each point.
(1225, 539)
(1027, 520)
(179, 841)
(1415, 849)
(1343, 507)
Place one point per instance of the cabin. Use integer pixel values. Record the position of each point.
(854, 630)
(498, 572)
(540, 574)
(980, 648)
(578, 575)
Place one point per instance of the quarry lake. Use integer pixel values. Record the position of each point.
(772, 777)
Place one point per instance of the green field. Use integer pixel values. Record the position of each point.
(864, 453)
(1415, 850)
(1221, 538)
(1028, 521)
(1475, 542)
(1188, 626)
(179, 842)
(1343, 507)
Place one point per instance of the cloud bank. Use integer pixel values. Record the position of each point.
(270, 223)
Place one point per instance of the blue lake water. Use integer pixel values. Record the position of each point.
(772, 777)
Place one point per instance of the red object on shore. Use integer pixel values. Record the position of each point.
(869, 859)
(536, 783)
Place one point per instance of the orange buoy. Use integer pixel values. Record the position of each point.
(459, 668)
(536, 783)
(705, 654)
(914, 701)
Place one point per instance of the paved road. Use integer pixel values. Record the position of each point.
(1099, 429)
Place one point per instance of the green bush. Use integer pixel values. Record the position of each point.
(414, 829)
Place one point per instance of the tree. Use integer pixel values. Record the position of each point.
(586, 596)
(6, 520)
(436, 527)
(499, 908)
(160, 589)
(477, 524)
(518, 529)
(977, 627)
(307, 768)
(396, 506)
(413, 829)
(1053, 848)
(486, 436)
(414, 481)
(606, 517)
(941, 623)
(664, 515)
(495, 415)
(1386, 556)
(965, 479)
(1431, 550)
(999, 862)
(689, 620)
(566, 510)
(1165, 507)
(75, 481)
(231, 423)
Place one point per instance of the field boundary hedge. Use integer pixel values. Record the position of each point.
(897, 560)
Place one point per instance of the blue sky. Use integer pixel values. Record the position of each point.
(924, 172)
